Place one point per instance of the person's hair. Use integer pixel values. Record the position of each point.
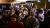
(31, 13)
(13, 16)
(39, 11)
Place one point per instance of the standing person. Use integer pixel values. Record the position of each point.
(2, 24)
(1, 20)
(13, 23)
(41, 17)
(30, 21)
(12, 11)
(46, 23)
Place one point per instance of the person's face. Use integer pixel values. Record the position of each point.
(12, 11)
(30, 17)
(13, 19)
(25, 13)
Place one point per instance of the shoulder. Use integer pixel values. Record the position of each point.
(20, 24)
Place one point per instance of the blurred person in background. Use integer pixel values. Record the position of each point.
(2, 24)
(6, 16)
(12, 11)
(0, 19)
(47, 19)
(34, 9)
(22, 13)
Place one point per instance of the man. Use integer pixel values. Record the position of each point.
(13, 23)
(30, 21)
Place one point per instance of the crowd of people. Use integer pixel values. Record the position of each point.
(23, 15)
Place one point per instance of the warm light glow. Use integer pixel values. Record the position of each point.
(38, 0)
(21, 0)
(48, 0)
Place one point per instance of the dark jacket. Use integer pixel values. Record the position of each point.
(29, 24)
(15, 25)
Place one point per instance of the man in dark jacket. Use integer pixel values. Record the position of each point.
(30, 22)
(14, 23)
